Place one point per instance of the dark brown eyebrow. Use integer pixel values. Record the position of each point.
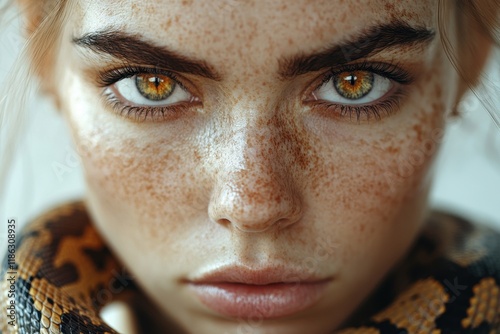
(368, 43)
(134, 49)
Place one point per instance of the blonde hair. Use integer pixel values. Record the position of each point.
(483, 16)
(42, 41)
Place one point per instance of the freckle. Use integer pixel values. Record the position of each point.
(389, 7)
(439, 91)
(150, 10)
(343, 17)
(197, 155)
(418, 130)
(428, 76)
(109, 11)
(148, 188)
(436, 107)
(166, 25)
(393, 149)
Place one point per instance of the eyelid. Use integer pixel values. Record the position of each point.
(388, 70)
(107, 80)
(109, 77)
(363, 113)
(379, 81)
(386, 105)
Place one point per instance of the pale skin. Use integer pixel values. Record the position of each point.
(253, 170)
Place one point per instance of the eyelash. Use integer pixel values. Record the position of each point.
(138, 113)
(387, 106)
(110, 77)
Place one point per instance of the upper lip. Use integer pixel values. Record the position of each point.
(261, 276)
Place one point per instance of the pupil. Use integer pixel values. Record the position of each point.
(156, 81)
(352, 78)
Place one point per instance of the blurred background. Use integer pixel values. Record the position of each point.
(46, 169)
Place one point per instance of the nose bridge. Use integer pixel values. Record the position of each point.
(255, 189)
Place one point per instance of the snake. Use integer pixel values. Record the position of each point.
(62, 274)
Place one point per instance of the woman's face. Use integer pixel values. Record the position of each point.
(232, 144)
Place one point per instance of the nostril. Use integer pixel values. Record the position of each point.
(252, 228)
(282, 223)
(255, 227)
(224, 222)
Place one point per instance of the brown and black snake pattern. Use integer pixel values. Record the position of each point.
(449, 282)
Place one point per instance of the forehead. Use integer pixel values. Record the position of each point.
(252, 29)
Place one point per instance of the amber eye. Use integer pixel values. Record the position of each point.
(353, 85)
(155, 87)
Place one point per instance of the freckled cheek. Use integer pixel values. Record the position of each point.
(368, 199)
(150, 180)
(374, 177)
(398, 170)
(377, 181)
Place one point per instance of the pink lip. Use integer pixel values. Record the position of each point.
(239, 292)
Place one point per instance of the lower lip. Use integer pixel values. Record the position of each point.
(237, 300)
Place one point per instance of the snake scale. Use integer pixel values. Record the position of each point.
(448, 283)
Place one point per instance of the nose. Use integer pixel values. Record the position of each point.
(254, 190)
